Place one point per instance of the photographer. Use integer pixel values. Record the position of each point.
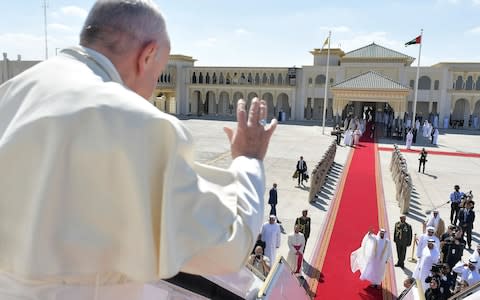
(442, 285)
(260, 262)
(452, 250)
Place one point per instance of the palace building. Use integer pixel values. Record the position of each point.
(372, 76)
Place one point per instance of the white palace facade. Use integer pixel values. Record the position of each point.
(373, 76)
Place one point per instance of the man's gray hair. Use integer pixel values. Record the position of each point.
(123, 25)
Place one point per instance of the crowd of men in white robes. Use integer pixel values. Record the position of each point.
(402, 179)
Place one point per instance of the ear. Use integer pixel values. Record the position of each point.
(146, 56)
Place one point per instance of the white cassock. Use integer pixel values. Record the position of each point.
(435, 136)
(371, 258)
(471, 277)
(296, 243)
(423, 241)
(271, 236)
(102, 187)
(409, 139)
(356, 136)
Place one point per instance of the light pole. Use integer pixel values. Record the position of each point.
(45, 5)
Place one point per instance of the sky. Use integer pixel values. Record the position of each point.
(265, 33)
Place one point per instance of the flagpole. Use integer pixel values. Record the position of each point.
(326, 85)
(416, 81)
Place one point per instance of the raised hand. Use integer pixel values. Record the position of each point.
(252, 135)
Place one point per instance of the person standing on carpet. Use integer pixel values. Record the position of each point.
(372, 257)
(402, 239)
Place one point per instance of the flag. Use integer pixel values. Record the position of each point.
(416, 40)
(325, 43)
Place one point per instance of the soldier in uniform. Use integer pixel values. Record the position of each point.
(304, 223)
(402, 239)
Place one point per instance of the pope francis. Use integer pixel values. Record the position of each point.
(96, 182)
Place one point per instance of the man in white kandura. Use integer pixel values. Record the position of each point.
(271, 234)
(371, 258)
(424, 239)
(296, 246)
(467, 271)
(430, 256)
(99, 180)
(409, 139)
(434, 220)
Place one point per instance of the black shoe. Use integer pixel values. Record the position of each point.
(279, 222)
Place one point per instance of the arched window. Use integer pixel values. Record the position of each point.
(207, 79)
(221, 80)
(250, 78)
(310, 80)
(320, 79)
(264, 79)
(272, 78)
(436, 85)
(214, 78)
(257, 79)
(194, 78)
(200, 78)
(412, 84)
(469, 83)
(477, 86)
(424, 83)
(459, 83)
(279, 79)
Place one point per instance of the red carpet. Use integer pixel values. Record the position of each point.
(356, 212)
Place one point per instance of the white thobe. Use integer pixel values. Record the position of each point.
(271, 236)
(432, 221)
(371, 258)
(471, 277)
(296, 239)
(446, 120)
(425, 129)
(423, 241)
(409, 139)
(417, 125)
(435, 136)
(97, 180)
(428, 258)
(476, 257)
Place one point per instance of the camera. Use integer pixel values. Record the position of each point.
(436, 268)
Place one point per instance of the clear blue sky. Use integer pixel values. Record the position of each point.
(266, 33)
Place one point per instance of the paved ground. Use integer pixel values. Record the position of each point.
(290, 141)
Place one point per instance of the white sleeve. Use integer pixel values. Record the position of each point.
(210, 216)
(459, 267)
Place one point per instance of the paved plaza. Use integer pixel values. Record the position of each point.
(290, 141)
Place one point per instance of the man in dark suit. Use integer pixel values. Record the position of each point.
(403, 239)
(466, 217)
(302, 170)
(273, 200)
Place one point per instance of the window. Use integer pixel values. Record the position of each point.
(320, 79)
(436, 85)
